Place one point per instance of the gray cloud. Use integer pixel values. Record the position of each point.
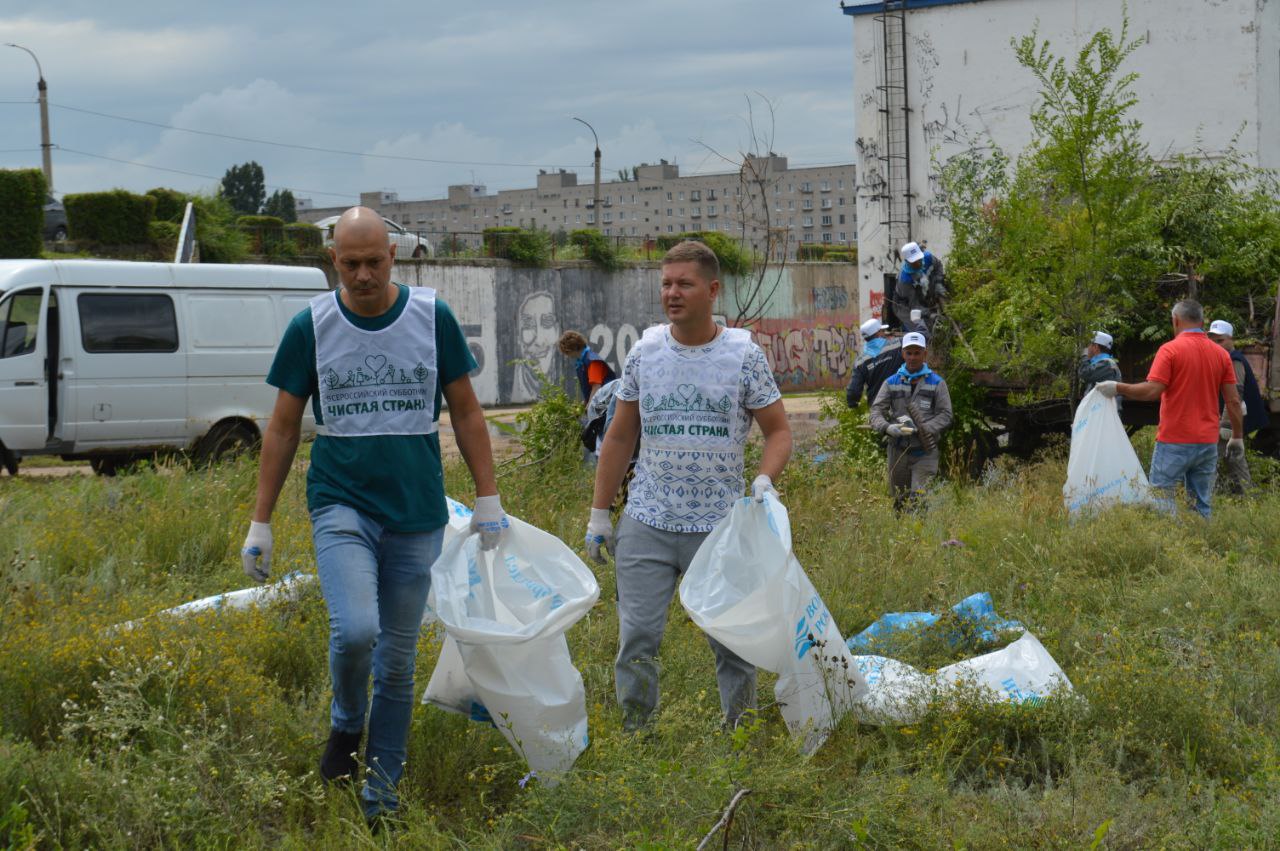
(438, 80)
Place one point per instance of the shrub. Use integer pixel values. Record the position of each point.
(841, 256)
(220, 241)
(810, 251)
(266, 233)
(170, 204)
(551, 427)
(165, 236)
(306, 238)
(520, 246)
(496, 240)
(734, 259)
(110, 218)
(596, 248)
(22, 194)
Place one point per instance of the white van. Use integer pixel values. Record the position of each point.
(112, 361)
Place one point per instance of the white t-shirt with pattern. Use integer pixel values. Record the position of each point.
(688, 483)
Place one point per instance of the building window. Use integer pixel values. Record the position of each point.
(842, 218)
(826, 203)
(825, 186)
(808, 203)
(806, 187)
(826, 237)
(695, 195)
(668, 196)
(791, 204)
(668, 226)
(826, 221)
(808, 221)
(681, 198)
(844, 237)
(840, 183)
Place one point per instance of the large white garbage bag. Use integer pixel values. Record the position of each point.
(1103, 469)
(505, 613)
(459, 524)
(897, 693)
(746, 589)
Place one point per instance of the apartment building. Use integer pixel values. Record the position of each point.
(798, 205)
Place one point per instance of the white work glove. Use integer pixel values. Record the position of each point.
(489, 520)
(1225, 432)
(899, 430)
(599, 534)
(1235, 447)
(257, 545)
(1106, 388)
(762, 485)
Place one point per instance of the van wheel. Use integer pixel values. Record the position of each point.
(105, 465)
(9, 460)
(225, 441)
(420, 252)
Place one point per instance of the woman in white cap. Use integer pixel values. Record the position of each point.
(1099, 364)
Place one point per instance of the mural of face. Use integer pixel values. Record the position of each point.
(539, 329)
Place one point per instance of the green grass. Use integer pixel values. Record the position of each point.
(205, 732)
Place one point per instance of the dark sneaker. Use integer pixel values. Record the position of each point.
(339, 760)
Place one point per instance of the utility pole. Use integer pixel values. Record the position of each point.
(596, 197)
(46, 149)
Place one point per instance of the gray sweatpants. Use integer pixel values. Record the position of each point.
(650, 563)
(910, 474)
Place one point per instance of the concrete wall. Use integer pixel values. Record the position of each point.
(808, 330)
(1210, 71)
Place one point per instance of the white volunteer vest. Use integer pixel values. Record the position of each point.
(376, 382)
(690, 467)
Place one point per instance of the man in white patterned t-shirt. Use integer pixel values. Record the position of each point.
(689, 391)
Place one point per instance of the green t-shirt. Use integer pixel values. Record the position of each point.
(396, 479)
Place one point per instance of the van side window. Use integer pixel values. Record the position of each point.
(127, 323)
(20, 317)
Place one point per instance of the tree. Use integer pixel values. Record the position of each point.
(282, 205)
(1088, 230)
(768, 241)
(244, 187)
(628, 175)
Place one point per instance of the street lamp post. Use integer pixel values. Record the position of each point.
(596, 197)
(46, 149)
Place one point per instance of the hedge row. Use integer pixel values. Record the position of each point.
(22, 194)
(734, 259)
(819, 252)
(110, 218)
(520, 246)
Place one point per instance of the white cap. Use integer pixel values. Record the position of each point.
(871, 327)
(914, 338)
(1222, 328)
(1102, 338)
(911, 252)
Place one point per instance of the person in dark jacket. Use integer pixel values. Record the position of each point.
(1099, 363)
(1236, 477)
(920, 281)
(592, 370)
(881, 357)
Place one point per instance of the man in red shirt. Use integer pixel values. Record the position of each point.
(1188, 374)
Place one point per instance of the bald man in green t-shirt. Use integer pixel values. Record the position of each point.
(375, 358)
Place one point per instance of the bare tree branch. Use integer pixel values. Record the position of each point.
(726, 820)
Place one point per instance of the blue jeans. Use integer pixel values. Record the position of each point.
(375, 583)
(1193, 464)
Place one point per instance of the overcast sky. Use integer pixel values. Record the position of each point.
(490, 87)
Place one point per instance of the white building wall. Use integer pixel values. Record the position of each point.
(1210, 71)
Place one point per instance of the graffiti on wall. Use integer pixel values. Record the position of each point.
(808, 353)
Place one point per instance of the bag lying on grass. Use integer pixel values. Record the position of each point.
(1103, 469)
(897, 693)
(505, 612)
(287, 588)
(746, 590)
(976, 613)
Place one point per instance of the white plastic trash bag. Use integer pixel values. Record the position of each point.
(1103, 469)
(746, 590)
(459, 524)
(505, 613)
(896, 692)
